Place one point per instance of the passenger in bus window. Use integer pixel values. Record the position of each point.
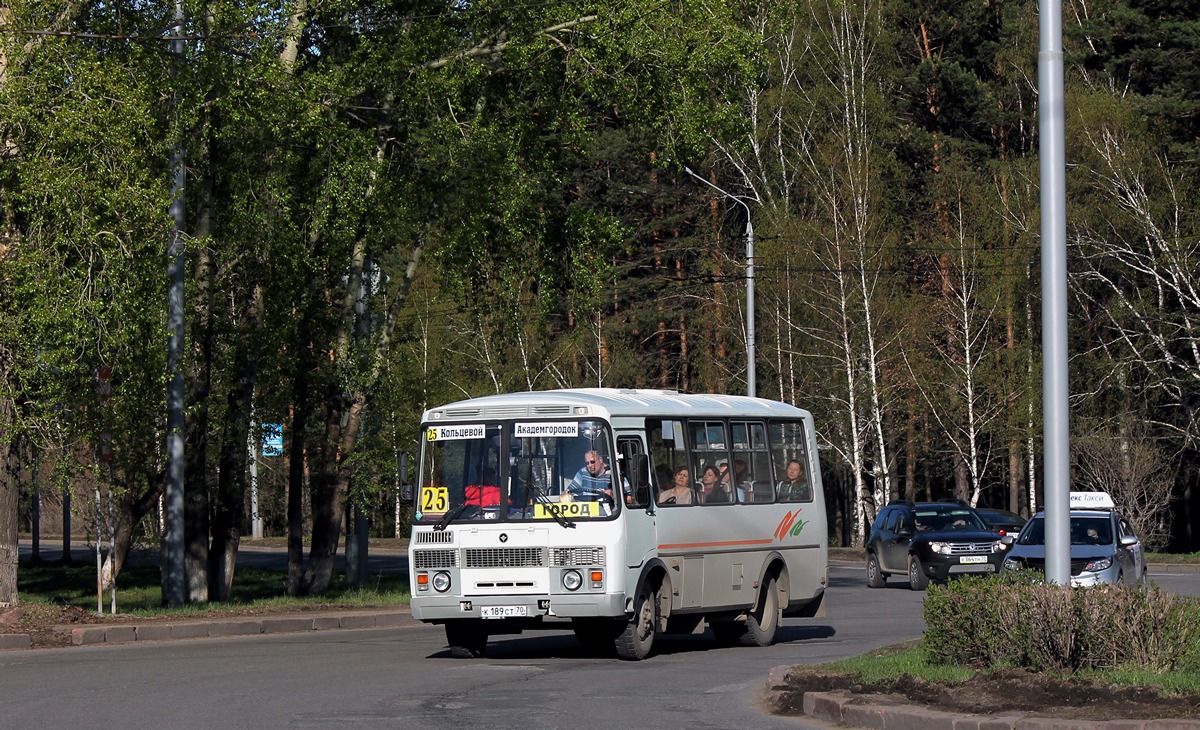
(795, 486)
(727, 481)
(662, 477)
(711, 491)
(592, 477)
(680, 491)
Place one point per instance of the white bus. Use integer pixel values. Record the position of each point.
(625, 512)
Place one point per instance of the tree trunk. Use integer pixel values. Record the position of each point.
(134, 510)
(195, 476)
(910, 457)
(327, 498)
(962, 479)
(296, 456)
(10, 483)
(230, 507)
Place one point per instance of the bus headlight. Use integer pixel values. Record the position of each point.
(441, 582)
(571, 580)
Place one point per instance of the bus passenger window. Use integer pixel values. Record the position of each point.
(752, 462)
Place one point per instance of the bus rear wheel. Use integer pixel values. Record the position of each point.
(467, 638)
(760, 624)
(764, 619)
(637, 637)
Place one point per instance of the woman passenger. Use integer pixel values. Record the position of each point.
(680, 491)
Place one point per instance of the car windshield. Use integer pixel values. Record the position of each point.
(1084, 531)
(515, 471)
(948, 519)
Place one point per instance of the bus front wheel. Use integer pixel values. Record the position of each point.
(467, 638)
(637, 638)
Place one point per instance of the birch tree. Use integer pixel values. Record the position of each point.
(843, 167)
(961, 401)
(1139, 255)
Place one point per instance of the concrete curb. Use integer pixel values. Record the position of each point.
(167, 631)
(893, 712)
(211, 628)
(15, 641)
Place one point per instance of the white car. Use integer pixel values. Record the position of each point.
(1104, 547)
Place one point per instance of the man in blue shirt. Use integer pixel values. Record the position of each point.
(593, 476)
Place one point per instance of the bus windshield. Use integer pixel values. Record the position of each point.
(558, 470)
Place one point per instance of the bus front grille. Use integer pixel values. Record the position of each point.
(576, 556)
(435, 538)
(434, 559)
(514, 557)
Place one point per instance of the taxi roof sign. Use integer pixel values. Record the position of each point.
(1092, 500)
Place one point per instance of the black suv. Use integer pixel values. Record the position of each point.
(930, 541)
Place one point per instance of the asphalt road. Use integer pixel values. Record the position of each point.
(404, 678)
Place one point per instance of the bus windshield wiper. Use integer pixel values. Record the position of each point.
(450, 516)
(551, 507)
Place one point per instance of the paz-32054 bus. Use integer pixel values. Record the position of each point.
(627, 513)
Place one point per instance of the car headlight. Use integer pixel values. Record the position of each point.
(941, 548)
(441, 582)
(1012, 564)
(999, 546)
(1098, 565)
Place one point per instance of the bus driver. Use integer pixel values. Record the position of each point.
(592, 477)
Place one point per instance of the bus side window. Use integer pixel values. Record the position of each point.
(752, 462)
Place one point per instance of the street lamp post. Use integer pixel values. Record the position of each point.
(751, 389)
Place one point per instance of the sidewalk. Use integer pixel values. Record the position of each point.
(895, 712)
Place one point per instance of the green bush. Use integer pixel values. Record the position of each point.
(1016, 620)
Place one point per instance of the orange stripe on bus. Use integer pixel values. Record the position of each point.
(727, 543)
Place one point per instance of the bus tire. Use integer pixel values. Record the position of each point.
(637, 636)
(763, 620)
(876, 578)
(467, 638)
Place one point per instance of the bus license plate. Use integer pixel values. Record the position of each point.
(968, 559)
(503, 611)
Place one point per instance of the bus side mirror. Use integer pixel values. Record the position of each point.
(406, 489)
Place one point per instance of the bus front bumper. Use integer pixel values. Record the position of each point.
(584, 605)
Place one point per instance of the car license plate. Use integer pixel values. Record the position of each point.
(503, 611)
(969, 559)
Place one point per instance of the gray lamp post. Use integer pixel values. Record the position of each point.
(751, 389)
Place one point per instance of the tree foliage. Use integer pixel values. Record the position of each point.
(390, 206)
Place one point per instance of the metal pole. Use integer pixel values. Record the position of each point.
(1055, 388)
(173, 538)
(99, 562)
(112, 544)
(751, 387)
(36, 516)
(66, 536)
(751, 380)
(256, 522)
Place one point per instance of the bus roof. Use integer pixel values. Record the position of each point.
(611, 402)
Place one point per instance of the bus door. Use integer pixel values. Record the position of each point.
(641, 538)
